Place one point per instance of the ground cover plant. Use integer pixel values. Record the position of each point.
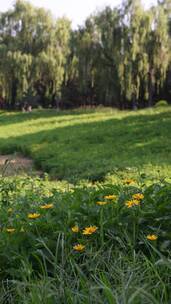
(91, 144)
(105, 244)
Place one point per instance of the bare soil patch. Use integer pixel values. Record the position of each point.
(14, 164)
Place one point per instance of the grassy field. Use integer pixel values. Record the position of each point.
(95, 145)
(104, 240)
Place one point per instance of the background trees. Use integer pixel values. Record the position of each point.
(120, 57)
(33, 52)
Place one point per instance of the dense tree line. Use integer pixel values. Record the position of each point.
(121, 57)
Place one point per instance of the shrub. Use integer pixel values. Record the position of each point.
(161, 103)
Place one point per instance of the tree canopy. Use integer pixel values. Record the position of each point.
(120, 57)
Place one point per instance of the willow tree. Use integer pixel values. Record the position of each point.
(36, 47)
(144, 54)
(157, 49)
(15, 73)
(93, 60)
(133, 64)
(50, 64)
(84, 59)
(109, 30)
(119, 57)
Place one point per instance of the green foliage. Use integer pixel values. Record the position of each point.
(38, 262)
(122, 55)
(33, 48)
(119, 57)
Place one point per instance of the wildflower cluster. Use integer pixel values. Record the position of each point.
(107, 199)
(109, 210)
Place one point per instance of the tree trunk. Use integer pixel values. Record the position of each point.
(134, 103)
(150, 89)
(13, 93)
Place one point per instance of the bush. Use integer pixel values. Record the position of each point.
(161, 103)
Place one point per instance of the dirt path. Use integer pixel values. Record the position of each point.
(15, 164)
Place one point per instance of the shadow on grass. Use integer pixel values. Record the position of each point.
(8, 118)
(91, 150)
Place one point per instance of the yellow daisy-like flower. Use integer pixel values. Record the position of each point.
(111, 197)
(132, 203)
(47, 206)
(79, 247)
(89, 230)
(138, 196)
(101, 203)
(152, 237)
(129, 181)
(33, 215)
(75, 229)
(129, 204)
(10, 230)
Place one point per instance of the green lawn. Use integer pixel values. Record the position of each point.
(91, 144)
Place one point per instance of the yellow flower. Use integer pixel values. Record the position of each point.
(138, 196)
(89, 230)
(129, 204)
(101, 203)
(47, 206)
(152, 237)
(79, 247)
(132, 203)
(9, 210)
(129, 181)
(75, 229)
(10, 230)
(111, 197)
(33, 215)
